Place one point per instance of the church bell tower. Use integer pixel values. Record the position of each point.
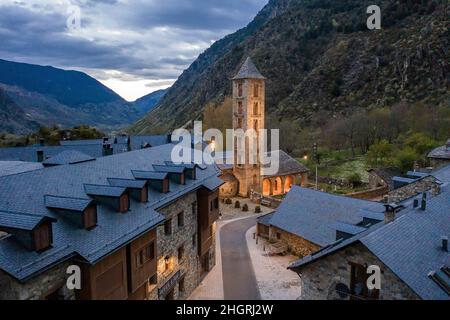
(248, 113)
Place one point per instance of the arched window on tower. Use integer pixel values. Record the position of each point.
(256, 108)
(256, 90)
(240, 110)
(240, 89)
(255, 125)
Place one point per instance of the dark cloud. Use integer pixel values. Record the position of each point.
(141, 39)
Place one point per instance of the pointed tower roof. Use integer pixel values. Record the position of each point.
(248, 71)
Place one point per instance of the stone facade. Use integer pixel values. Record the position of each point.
(231, 186)
(319, 278)
(184, 236)
(296, 245)
(412, 189)
(187, 270)
(51, 281)
(248, 113)
(439, 163)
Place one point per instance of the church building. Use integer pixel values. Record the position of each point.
(243, 178)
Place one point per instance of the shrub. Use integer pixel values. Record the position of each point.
(245, 208)
(355, 179)
(228, 201)
(237, 204)
(257, 209)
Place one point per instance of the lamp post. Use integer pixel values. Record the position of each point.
(316, 157)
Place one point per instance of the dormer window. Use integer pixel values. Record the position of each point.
(114, 197)
(190, 169)
(81, 212)
(176, 173)
(138, 188)
(33, 231)
(158, 181)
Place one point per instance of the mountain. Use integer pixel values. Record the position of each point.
(52, 96)
(149, 101)
(12, 118)
(319, 57)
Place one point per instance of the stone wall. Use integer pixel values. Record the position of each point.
(167, 246)
(412, 189)
(439, 163)
(296, 245)
(369, 194)
(319, 278)
(38, 287)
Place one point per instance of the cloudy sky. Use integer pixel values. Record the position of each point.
(133, 46)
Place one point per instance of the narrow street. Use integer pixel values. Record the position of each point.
(239, 281)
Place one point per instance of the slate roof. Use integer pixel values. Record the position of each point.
(66, 203)
(103, 190)
(442, 174)
(169, 169)
(312, 214)
(93, 148)
(410, 246)
(213, 183)
(127, 183)
(265, 219)
(13, 167)
(149, 175)
(287, 165)
(25, 193)
(248, 71)
(21, 221)
(442, 152)
(68, 157)
(387, 174)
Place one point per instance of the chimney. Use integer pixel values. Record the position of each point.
(444, 240)
(435, 189)
(416, 203)
(40, 155)
(389, 213)
(107, 150)
(41, 142)
(105, 140)
(423, 206)
(129, 143)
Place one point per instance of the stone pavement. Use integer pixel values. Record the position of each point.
(275, 281)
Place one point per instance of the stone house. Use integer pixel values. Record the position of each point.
(410, 248)
(383, 177)
(308, 220)
(440, 156)
(137, 225)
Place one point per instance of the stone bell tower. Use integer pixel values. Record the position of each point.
(248, 113)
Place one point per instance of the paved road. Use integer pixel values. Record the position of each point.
(239, 281)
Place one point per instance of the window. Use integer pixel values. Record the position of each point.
(239, 123)
(256, 90)
(278, 235)
(181, 285)
(194, 240)
(168, 227)
(153, 279)
(150, 251)
(180, 219)
(240, 109)
(166, 263)
(216, 203)
(139, 258)
(240, 91)
(194, 208)
(255, 124)
(181, 253)
(256, 108)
